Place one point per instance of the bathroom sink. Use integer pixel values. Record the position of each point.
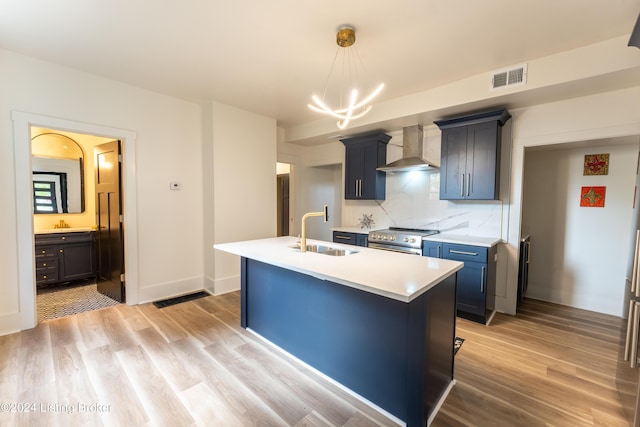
(327, 250)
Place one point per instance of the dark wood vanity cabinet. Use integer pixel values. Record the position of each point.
(63, 257)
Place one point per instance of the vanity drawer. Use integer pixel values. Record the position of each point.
(58, 238)
(44, 262)
(46, 252)
(46, 275)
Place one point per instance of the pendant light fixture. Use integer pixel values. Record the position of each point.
(350, 106)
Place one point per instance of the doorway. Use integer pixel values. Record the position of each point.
(22, 124)
(576, 248)
(73, 256)
(67, 244)
(283, 175)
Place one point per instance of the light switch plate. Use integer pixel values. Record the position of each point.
(175, 186)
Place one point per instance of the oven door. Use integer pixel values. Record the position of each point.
(396, 248)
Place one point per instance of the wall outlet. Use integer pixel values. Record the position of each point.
(175, 186)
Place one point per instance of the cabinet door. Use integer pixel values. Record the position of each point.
(354, 171)
(76, 261)
(453, 163)
(373, 181)
(472, 289)
(432, 249)
(483, 149)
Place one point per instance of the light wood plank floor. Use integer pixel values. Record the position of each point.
(550, 365)
(191, 364)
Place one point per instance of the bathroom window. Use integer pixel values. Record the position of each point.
(44, 197)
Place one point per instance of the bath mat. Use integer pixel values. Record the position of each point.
(61, 301)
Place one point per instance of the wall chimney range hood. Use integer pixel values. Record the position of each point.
(412, 153)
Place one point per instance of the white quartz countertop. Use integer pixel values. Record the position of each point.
(402, 277)
(64, 230)
(352, 230)
(464, 239)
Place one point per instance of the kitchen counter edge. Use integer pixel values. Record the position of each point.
(367, 270)
(486, 242)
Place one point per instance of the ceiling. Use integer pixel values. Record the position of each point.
(268, 57)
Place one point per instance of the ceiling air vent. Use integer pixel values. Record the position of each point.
(512, 76)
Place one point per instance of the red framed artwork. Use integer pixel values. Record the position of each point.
(592, 197)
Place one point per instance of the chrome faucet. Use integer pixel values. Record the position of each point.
(303, 234)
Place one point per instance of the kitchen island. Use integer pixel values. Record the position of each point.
(381, 324)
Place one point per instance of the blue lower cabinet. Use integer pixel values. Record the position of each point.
(477, 279)
(397, 355)
(432, 249)
(357, 239)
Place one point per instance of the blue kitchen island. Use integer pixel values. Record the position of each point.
(381, 324)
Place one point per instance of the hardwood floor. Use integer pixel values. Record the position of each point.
(550, 365)
(192, 364)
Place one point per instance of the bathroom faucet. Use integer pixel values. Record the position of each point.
(303, 234)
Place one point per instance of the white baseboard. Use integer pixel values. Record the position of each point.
(10, 323)
(170, 289)
(228, 284)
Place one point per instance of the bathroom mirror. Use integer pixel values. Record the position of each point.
(58, 174)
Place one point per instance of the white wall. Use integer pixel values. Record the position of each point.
(578, 256)
(168, 228)
(601, 116)
(241, 200)
(320, 185)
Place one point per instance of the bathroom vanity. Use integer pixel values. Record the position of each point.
(64, 255)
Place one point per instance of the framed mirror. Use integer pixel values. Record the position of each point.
(58, 174)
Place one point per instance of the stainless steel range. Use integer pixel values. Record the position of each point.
(396, 239)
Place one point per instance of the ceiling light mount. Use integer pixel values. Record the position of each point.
(346, 37)
(353, 108)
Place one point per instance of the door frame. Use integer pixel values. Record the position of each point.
(22, 123)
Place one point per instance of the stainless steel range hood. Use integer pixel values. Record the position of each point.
(412, 153)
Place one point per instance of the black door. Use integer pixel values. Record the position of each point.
(109, 234)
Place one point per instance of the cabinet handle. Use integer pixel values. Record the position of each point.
(439, 250)
(44, 277)
(338, 236)
(461, 185)
(61, 250)
(630, 326)
(468, 184)
(44, 252)
(634, 335)
(482, 280)
(453, 251)
(44, 264)
(360, 188)
(64, 238)
(356, 189)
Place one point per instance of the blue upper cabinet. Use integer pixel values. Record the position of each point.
(363, 154)
(470, 164)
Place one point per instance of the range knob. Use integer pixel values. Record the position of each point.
(413, 240)
(406, 239)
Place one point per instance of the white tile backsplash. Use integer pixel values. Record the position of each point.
(413, 201)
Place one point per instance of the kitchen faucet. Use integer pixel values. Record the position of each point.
(303, 235)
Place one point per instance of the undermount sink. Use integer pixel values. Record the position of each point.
(327, 250)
